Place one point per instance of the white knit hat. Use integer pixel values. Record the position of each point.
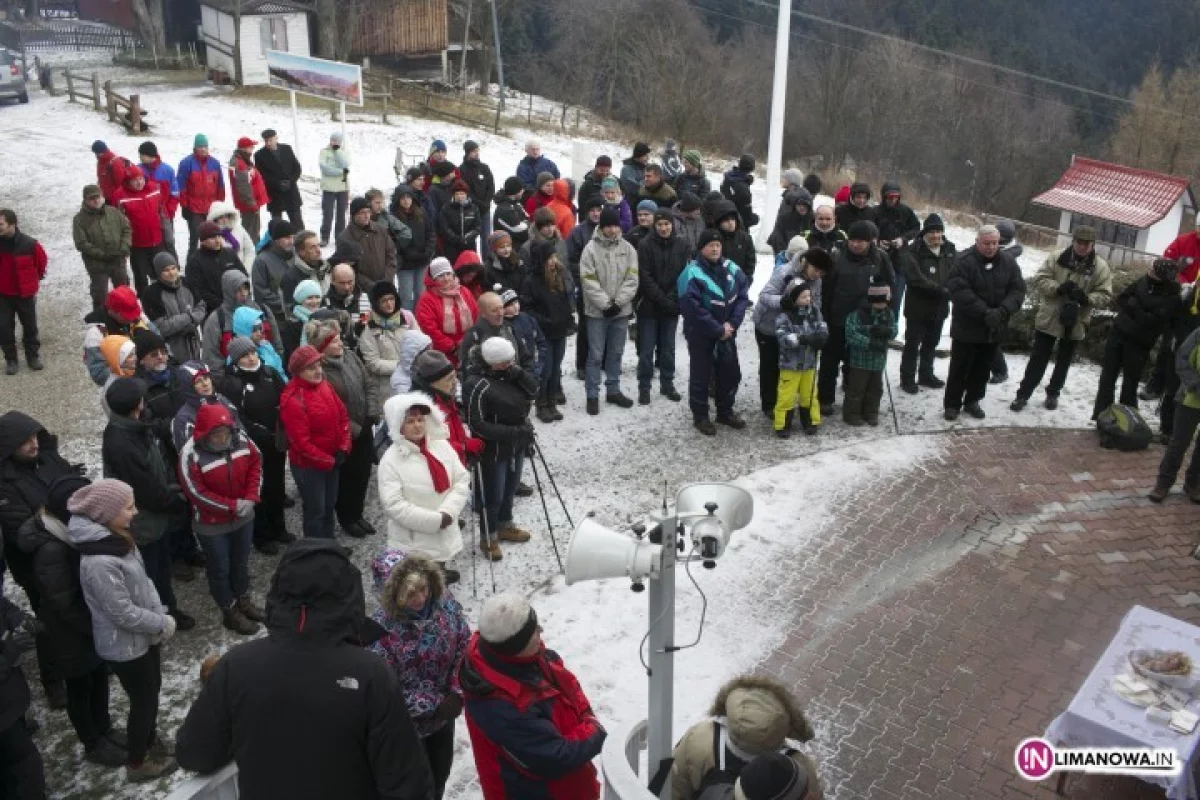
(798, 246)
(507, 622)
(439, 266)
(498, 350)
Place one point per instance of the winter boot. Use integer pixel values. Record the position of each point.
(250, 611)
(593, 405)
(524, 490)
(236, 621)
(706, 427)
(11, 367)
(511, 533)
(491, 551)
(1051, 403)
(783, 433)
(931, 381)
(554, 412)
(1159, 492)
(733, 420)
(545, 412)
(974, 410)
(268, 547)
(618, 399)
(106, 754)
(150, 770)
(34, 361)
(1192, 492)
(560, 399)
(909, 387)
(643, 397)
(670, 393)
(1018, 403)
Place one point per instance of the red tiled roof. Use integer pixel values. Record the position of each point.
(1134, 197)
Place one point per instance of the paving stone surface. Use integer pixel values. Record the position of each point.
(947, 614)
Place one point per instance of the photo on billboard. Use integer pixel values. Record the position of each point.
(319, 77)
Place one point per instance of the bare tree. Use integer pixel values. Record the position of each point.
(148, 14)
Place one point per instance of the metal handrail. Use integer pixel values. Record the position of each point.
(620, 759)
(220, 785)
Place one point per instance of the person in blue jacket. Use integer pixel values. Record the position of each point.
(533, 163)
(713, 300)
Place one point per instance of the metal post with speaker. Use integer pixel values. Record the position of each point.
(696, 529)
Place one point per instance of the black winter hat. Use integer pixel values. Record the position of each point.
(610, 216)
(603, 161)
(819, 259)
(413, 173)
(592, 201)
(863, 230)
(470, 146)
(860, 188)
(269, 133)
(688, 201)
(280, 229)
(933, 223)
(358, 204)
(641, 149)
(798, 195)
(146, 341)
(664, 213)
(746, 163)
(707, 237)
(794, 294)
(772, 776)
(513, 185)
(444, 169)
(124, 394)
(148, 149)
(380, 290)
(60, 491)
(812, 182)
(1166, 269)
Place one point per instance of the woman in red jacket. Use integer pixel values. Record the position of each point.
(446, 311)
(318, 439)
(142, 203)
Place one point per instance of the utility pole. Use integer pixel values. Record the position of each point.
(778, 110)
(466, 41)
(499, 60)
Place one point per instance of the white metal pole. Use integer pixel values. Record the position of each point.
(343, 110)
(778, 110)
(295, 122)
(661, 658)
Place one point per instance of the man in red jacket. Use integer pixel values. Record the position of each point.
(201, 182)
(249, 190)
(533, 732)
(1186, 250)
(22, 268)
(110, 170)
(142, 203)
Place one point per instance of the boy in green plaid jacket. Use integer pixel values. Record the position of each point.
(868, 332)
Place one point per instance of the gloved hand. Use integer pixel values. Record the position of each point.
(447, 520)
(449, 709)
(198, 313)
(881, 332)
(1066, 287)
(244, 507)
(339, 458)
(168, 628)
(285, 186)
(612, 310)
(526, 431)
(994, 319)
(791, 340)
(475, 446)
(1079, 296)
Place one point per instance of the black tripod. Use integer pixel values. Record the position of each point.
(535, 454)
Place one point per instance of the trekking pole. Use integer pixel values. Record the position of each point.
(553, 484)
(892, 403)
(474, 534)
(487, 535)
(537, 480)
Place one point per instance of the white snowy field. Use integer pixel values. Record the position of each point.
(616, 464)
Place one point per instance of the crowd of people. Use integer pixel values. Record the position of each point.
(419, 349)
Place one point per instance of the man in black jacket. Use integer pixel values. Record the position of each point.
(856, 269)
(207, 264)
(736, 189)
(306, 712)
(498, 400)
(510, 215)
(986, 289)
(29, 463)
(926, 265)
(661, 258)
(480, 184)
(20, 762)
(736, 244)
(280, 170)
(857, 209)
(898, 226)
(590, 187)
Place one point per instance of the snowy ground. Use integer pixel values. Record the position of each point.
(616, 465)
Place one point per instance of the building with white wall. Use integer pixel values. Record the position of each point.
(265, 25)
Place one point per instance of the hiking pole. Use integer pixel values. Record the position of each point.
(487, 535)
(474, 551)
(892, 403)
(553, 484)
(537, 480)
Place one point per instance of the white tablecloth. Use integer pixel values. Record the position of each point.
(1097, 717)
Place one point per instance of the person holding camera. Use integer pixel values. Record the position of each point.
(1072, 285)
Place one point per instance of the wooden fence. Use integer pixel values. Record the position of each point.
(127, 111)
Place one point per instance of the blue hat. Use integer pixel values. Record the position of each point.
(305, 290)
(438, 146)
(99, 147)
(647, 205)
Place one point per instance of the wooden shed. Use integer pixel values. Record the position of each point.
(403, 28)
(265, 25)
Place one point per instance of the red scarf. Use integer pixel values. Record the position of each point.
(441, 478)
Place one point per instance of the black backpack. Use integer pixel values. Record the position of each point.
(1122, 428)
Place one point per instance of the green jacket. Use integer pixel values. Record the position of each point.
(862, 350)
(1187, 367)
(101, 236)
(1093, 276)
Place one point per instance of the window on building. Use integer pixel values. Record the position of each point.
(274, 33)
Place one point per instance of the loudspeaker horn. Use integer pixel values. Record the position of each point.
(597, 552)
(735, 506)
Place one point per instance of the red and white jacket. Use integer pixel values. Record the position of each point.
(144, 210)
(214, 482)
(249, 190)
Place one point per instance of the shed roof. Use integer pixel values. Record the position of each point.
(252, 7)
(1134, 197)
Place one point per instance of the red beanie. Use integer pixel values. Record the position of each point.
(304, 356)
(123, 302)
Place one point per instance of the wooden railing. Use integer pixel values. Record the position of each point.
(127, 111)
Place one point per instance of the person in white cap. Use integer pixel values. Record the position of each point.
(335, 186)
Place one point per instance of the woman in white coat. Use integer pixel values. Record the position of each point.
(229, 219)
(423, 485)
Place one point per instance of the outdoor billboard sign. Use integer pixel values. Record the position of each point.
(319, 77)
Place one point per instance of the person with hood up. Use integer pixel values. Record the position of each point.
(110, 169)
(424, 644)
(824, 232)
(593, 182)
(255, 389)
(510, 215)
(751, 716)
(713, 299)
(672, 166)
(533, 731)
(220, 470)
(855, 270)
(856, 208)
(794, 218)
(662, 256)
(29, 465)
(1071, 286)
(689, 223)
(608, 273)
(416, 253)
(801, 333)
(248, 188)
(610, 194)
(504, 266)
(252, 324)
(423, 485)
(104, 237)
(201, 183)
(270, 266)
(334, 163)
(533, 164)
(317, 429)
(233, 234)
(310, 673)
(23, 265)
(736, 189)
(541, 197)
(564, 211)
(172, 307)
(808, 266)
(447, 310)
(478, 178)
(458, 223)
(736, 244)
(142, 203)
(692, 178)
(207, 266)
(546, 296)
(986, 290)
(218, 328)
(377, 261)
(633, 171)
(280, 170)
(306, 265)
(132, 452)
(68, 624)
(21, 771)
(129, 622)
(898, 226)
(927, 264)
(199, 390)
(382, 342)
(122, 315)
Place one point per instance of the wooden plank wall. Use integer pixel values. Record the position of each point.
(402, 27)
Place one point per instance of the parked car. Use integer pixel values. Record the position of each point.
(12, 78)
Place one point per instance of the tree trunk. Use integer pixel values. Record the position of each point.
(237, 42)
(148, 14)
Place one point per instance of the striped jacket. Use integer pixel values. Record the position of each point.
(215, 481)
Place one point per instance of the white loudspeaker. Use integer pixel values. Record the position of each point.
(597, 552)
(735, 506)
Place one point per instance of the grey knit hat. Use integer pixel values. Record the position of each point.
(432, 365)
(238, 347)
(102, 501)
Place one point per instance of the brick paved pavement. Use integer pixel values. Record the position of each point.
(951, 612)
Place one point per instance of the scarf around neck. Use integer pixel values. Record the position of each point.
(456, 314)
(437, 470)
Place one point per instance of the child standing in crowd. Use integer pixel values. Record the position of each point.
(801, 332)
(868, 332)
